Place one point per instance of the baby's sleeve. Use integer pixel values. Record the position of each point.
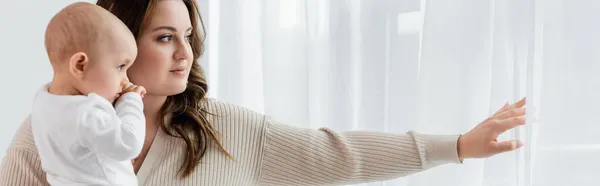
(118, 132)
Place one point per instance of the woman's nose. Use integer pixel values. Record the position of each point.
(183, 51)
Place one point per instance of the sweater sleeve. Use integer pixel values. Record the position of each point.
(295, 156)
(21, 167)
(116, 133)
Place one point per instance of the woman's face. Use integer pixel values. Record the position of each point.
(164, 56)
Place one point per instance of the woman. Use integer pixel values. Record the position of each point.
(192, 140)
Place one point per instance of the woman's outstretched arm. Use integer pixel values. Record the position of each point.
(294, 156)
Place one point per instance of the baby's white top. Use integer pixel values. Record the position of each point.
(84, 140)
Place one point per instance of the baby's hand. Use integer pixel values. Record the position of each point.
(129, 87)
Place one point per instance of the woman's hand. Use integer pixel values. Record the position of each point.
(481, 141)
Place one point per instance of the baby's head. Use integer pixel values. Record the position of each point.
(90, 50)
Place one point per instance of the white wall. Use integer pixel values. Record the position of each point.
(25, 66)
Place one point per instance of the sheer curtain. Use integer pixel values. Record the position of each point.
(432, 66)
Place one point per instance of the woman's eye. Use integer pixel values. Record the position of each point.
(188, 37)
(165, 38)
(120, 67)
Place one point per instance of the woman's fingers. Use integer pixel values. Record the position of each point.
(506, 124)
(507, 107)
(519, 103)
(516, 112)
(501, 109)
(507, 146)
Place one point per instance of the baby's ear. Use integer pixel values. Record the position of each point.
(78, 63)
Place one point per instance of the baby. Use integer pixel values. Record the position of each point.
(88, 123)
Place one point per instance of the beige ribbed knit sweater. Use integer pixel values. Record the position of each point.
(266, 152)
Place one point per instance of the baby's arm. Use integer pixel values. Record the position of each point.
(118, 132)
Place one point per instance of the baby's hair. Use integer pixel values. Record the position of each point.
(76, 28)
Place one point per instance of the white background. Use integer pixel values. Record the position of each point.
(388, 65)
(25, 65)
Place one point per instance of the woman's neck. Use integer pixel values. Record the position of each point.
(152, 106)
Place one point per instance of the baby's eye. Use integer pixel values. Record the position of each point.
(120, 67)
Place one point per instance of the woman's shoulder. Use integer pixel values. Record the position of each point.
(21, 164)
(227, 113)
(219, 107)
(23, 138)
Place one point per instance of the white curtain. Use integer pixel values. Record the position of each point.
(434, 66)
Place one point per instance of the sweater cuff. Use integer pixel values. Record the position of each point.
(440, 149)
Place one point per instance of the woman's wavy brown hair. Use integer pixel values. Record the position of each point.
(189, 120)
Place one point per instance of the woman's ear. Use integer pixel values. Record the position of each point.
(78, 63)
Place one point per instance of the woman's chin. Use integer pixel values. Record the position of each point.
(171, 88)
(177, 88)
